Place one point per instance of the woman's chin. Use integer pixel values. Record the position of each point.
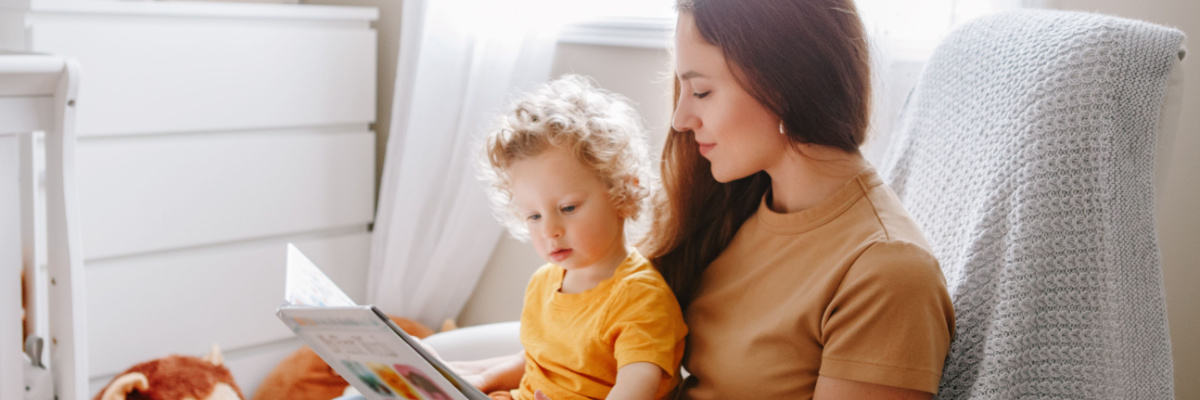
(725, 175)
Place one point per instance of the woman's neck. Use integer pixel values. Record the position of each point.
(801, 181)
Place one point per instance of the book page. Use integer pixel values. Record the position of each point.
(361, 343)
(371, 356)
(308, 286)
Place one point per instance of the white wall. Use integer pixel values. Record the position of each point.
(1178, 220)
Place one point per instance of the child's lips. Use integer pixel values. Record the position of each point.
(560, 254)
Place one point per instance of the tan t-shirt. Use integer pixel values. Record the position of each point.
(847, 289)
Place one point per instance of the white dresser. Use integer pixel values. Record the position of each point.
(210, 134)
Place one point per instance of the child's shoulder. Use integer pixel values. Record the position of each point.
(643, 276)
(643, 290)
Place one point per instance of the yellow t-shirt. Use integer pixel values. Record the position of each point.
(574, 343)
(847, 289)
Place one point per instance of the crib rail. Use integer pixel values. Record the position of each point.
(37, 94)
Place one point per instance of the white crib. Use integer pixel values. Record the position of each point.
(37, 94)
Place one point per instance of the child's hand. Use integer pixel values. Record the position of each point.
(428, 349)
(465, 368)
(489, 375)
(476, 380)
(470, 371)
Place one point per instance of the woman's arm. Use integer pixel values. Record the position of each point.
(838, 389)
(492, 374)
(638, 380)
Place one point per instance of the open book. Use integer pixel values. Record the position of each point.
(361, 343)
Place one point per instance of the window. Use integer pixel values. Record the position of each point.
(632, 23)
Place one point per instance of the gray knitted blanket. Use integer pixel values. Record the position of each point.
(1026, 155)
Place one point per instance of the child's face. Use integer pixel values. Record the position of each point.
(571, 218)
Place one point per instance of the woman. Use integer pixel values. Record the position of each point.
(800, 274)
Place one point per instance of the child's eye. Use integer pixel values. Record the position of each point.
(701, 95)
(568, 209)
(534, 217)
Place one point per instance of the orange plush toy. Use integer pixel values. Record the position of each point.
(304, 376)
(175, 378)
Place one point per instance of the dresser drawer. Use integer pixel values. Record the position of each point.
(166, 74)
(165, 192)
(184, 302)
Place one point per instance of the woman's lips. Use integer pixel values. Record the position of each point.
(560, 254)
(706, 147)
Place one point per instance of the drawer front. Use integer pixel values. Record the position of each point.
(148, 76)
(149, 194)
(150, 306)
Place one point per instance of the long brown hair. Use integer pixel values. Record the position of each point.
(806, 61)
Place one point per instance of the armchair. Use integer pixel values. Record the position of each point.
(1026, 153)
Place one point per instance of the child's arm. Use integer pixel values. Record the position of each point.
(638, 380)
(492, 374)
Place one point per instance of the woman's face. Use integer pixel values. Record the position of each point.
(733, 131)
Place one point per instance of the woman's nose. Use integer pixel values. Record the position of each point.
(684, 119)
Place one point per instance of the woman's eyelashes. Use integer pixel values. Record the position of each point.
(701, 95)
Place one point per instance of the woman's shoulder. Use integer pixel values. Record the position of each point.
(897, 263)
(893, 222)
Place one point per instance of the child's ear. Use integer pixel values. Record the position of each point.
(628, 210)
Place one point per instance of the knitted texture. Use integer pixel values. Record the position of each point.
(1026, 155)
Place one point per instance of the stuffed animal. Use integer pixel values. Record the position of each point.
(304, 376)
(175, 378)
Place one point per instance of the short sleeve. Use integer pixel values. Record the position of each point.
(646, 325)
(890, 321)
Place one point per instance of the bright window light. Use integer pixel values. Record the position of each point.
(624, 9)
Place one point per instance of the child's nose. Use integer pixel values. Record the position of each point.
(552, 229)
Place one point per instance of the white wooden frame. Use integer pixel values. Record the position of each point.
(37, 93)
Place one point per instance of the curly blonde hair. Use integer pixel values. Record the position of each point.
(598, 127)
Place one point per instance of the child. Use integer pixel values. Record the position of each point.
(566, 167)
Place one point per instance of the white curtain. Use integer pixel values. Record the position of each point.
(461, 61)
(903, 34)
